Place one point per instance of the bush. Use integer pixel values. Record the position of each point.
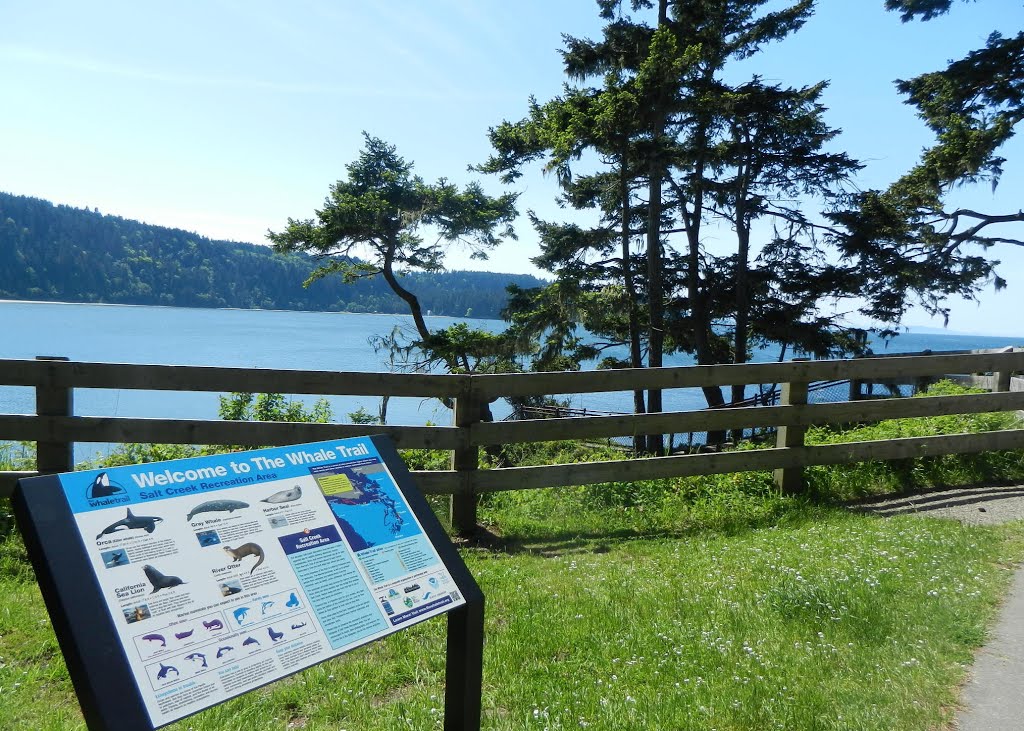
(844, 482)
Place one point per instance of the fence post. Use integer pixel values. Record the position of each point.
(791, 479)
(1001, 380)
(52, 457)
(465, 459)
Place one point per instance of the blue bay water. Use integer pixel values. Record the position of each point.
(274, 339)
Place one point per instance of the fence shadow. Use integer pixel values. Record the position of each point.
(944, 501)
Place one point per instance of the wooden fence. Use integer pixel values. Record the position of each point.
(55, 427)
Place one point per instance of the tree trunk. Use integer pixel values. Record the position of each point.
(656, 304)
(740, 337)
(699, 310)
(635, 354)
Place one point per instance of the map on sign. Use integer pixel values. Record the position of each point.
(226, 572)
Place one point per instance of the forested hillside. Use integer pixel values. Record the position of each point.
(60, 253)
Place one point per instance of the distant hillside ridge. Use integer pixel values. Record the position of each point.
(60, 253)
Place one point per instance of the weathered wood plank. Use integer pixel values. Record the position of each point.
(9, 479)
(440, 482)
(204, 378)
(627, 379)
(524, 478)
(195, 431)
(587, 427)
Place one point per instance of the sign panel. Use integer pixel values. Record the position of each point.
(220, 574)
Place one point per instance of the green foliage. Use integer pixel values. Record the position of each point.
(50, 252)
(362, 416)
(918, 249)
(17, 456)
(843, 482)
(240, 406)
(401, 223)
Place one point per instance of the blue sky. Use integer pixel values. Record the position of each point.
(226, 118)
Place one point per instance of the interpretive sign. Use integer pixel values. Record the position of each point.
(174, 586)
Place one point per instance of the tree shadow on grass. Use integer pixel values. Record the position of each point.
(568, 543)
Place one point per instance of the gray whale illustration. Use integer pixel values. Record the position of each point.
(132, 522)
(217, 506)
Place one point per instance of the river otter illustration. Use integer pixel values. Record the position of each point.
(246, 549)
(160, 581)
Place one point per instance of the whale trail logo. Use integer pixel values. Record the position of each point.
(103, 491)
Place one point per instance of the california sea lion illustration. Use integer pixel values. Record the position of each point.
(275, 636)
(158, 580)
(246, 549)
(132, 522)
(217, 505)
(285, 496)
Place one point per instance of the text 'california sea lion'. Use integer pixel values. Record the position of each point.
(217, 506)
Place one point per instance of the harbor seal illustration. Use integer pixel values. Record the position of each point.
(285, 496)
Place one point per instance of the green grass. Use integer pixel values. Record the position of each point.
(821, 620)
(699, 603)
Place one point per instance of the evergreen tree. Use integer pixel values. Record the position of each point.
(918, 249)
(682, 149)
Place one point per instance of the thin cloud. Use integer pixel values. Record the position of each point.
(88, 65)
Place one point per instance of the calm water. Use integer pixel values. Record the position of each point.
(267, 339)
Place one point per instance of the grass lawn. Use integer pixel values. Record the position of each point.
(703, 603)
(822, 620)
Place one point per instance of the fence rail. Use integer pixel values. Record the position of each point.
(55, 428)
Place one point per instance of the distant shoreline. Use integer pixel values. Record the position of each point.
(910, 329)
(235, 309)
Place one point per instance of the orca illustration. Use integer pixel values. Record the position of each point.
(132, 522)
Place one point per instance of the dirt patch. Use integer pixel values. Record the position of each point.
(979, 505)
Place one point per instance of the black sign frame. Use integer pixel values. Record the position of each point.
(96, 660)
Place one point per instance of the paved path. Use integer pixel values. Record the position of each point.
(993, 697)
